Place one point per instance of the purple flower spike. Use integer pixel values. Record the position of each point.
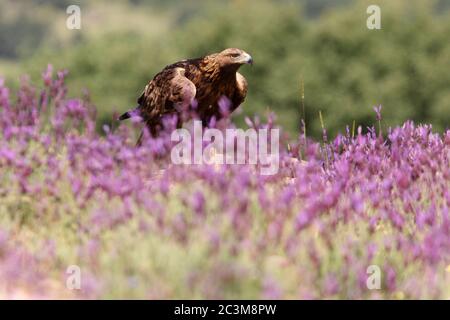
(377, 110)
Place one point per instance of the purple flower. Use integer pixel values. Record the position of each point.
(47, 75)
(390, 278)
(198, 203)
(224, 106)
(377, 110)
(271, 289)
(331, 285)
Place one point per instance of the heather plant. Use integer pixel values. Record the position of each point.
(139, 226)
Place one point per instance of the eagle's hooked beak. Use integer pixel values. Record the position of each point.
(248, 59)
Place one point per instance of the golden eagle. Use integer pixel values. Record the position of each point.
(204, 80)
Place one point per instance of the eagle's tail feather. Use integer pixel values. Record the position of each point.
(130, 113)
(125, 116)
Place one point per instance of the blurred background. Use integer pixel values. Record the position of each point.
(346, 68)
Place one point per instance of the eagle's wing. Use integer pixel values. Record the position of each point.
(168, 92)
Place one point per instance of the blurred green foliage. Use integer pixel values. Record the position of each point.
(346, 68)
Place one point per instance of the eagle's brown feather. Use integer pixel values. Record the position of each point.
(206, 80)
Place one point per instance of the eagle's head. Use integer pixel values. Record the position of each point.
(233, 57)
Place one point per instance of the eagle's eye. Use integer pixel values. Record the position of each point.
(235, 55)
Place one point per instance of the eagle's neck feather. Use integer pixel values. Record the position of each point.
(213, 71)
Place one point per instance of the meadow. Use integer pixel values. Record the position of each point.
(340, 211)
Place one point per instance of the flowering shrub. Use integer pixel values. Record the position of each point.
(140, 227)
